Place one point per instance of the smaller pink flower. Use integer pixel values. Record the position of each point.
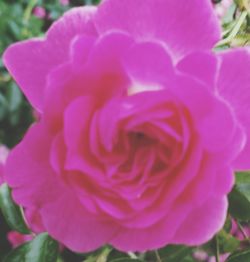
(16, 239)
(3, 156)
(39, 12)
(235, 231)
(64, 2)
(200, 255)
(223, 258)
(222, 8)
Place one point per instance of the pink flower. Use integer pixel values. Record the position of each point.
(39, 12)
(200, 255)
(64, 2)
(4, 151)
(141, 128)
(235, 230)
(16, 239)
(222, 8)
(223, 258)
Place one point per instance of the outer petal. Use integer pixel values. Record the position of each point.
(30, 61)
(29, 163)
(153, 237)
(211, 115)
(203, 222)
(164, 20)
(77, 229)
(234, 85)
(201, 65)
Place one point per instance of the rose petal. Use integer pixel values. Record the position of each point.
(209, 218)
(184, 26)
(26, 162)
(82, 231)
(234, 85)
(30, 61)
(201, 65)
(138, 63)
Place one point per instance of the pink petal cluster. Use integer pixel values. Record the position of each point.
(39, 12)
(202, 256)
(236, 232)
(64, 2)
(141, 125)
(222, 8)
(223, 258)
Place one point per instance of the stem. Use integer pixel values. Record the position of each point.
(132, 255)
(28, 10)
(242, 231)
(217, 249)
(158, 258)
(235, 30)
(103, 257)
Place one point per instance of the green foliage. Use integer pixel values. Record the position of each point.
(239, 198)
(227, 243)
(11, 211)
(41, 249)
(242, 256)
(173, 253)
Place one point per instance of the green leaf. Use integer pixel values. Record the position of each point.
(227, 243)
(11, 211)
(243, 183)
(239, 206)
(14, 97)
(101, 256)
(3, 107)
(174, 253)
(42, 249)
(239, 198)
(242, 256)
(228, 224)
(189, 259)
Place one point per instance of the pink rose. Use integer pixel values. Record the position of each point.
(141, 128)
(64, 2)
(39, 12)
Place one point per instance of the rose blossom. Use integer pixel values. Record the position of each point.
(141, 127)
